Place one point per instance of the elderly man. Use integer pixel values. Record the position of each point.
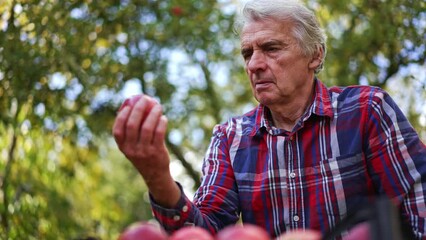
(304, 158)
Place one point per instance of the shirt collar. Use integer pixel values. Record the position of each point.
(320, 106)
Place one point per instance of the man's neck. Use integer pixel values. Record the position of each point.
(288, 119)
(285, 116)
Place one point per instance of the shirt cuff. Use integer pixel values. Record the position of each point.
(173, 218)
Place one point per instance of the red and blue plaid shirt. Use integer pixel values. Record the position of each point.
(351, 145)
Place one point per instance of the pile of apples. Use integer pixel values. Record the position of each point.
(147, 230)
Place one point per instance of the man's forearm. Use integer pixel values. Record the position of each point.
(165, 192)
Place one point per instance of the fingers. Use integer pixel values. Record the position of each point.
(124, 104)
(119, 128)
(149, 128)
(140, 125)
(136, 119)
(160, 132)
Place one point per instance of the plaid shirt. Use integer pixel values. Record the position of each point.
(351, 145)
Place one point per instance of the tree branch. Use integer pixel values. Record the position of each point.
(188, 167)
(212, 96)
(10, 157)
(5, 184)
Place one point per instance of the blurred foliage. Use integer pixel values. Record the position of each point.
(65, 65)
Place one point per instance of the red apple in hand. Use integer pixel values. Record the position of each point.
(191, 233)
(131, 101)
(143, 230)
(243, 232)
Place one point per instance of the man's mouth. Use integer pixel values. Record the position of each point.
(262, 85)
(263, 81)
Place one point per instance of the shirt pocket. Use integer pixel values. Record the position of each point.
(345, 167)
(342, 182)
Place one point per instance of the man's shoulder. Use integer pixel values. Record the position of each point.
(355, 98)
(246, 122)
(249, 115)
(355, 89)
(355, 92)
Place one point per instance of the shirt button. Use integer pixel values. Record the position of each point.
(292, 175)
(296, 218)
(176, 218)
(185, 208)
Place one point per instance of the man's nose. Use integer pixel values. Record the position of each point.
(257, 62)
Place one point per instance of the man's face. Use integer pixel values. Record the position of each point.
(279, 72)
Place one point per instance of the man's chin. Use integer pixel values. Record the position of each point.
(264, 101)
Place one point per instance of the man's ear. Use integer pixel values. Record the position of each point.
(317, 58)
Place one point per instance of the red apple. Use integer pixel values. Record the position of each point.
(143, 230)
(176, 10)
(191, 233)
(361, 231)
(302, 234)
(131, 101)
(243, 232)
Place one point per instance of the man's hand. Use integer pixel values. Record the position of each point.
(140, 131)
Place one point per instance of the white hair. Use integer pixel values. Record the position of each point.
(308, 32)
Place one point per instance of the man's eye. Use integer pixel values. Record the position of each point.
(271, 49)
(246, 55)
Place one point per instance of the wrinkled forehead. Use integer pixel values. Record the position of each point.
(266, 28)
